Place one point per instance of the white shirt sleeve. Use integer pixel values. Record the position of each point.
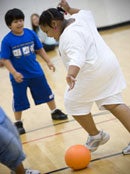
(74, 48)
(75, 45)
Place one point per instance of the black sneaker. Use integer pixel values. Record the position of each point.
(58, 115)
(19, 126)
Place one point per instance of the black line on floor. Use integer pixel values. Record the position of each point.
(63, 122)
(107, 156)
(96, 159)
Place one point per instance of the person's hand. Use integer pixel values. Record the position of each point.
(70, 81)
(51, 66)
(63, 4)
(18, 77)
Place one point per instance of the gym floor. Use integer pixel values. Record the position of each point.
(46, 141)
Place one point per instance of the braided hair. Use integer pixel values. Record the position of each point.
(51, 14)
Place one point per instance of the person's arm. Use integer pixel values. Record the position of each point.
(17, 76)
(67, 8)
(71, 75)
(45, 57)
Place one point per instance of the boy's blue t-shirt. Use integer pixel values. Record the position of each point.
(20, 50)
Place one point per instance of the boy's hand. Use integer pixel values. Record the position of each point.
(18, 77)
(51, 66)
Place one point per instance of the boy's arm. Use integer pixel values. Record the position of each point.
(17, 76)
(46, 58)
(67, 8)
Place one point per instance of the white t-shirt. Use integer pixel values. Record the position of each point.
(100, 76)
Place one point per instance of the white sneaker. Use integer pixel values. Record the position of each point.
(126, 150)
(28, 171)
(93, 143)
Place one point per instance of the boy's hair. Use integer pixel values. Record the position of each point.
(49, 15)
(13, 14)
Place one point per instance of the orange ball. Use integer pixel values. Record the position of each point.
(77, 157)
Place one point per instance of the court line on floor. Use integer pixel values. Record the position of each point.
(96, 159)
(68, 121)
(59, 133)
(63, 122)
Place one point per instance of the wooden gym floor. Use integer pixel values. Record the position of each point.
(46, 141)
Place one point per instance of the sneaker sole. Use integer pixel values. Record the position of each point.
(60, 118)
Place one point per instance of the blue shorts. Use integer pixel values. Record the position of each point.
(11, 153)
(39, 88)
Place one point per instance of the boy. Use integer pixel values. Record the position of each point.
(11, 153)
(18, 54)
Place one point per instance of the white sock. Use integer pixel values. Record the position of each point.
(97, 136)
(53, 110)
(18, 121)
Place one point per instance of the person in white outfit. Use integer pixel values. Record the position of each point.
(93, 72)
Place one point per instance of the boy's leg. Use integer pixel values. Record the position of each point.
(56, 114)
(18, 115)
(122, 113)
(20, 102)
(87, 122)
(42, 93)
(81, 111)
(19, 123)
(96, 137)
(117, 107)
(20, 169)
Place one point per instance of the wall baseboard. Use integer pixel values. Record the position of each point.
(114, 26)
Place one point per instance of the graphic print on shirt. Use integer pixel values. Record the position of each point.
(23, 49)
(17, 53)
